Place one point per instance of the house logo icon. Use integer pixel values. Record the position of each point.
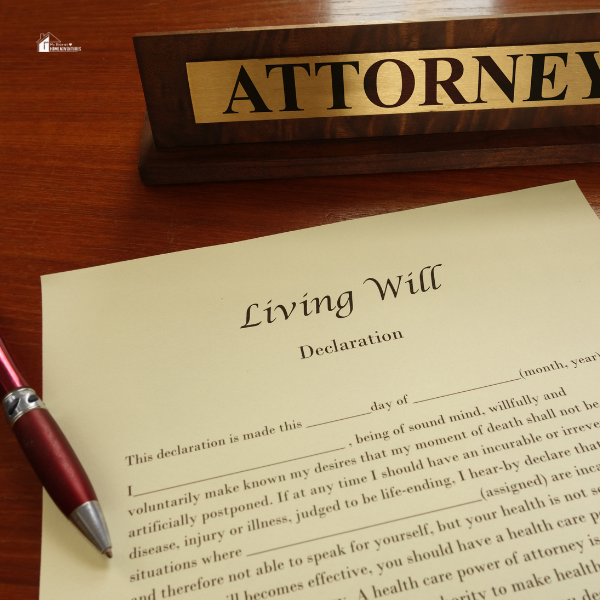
(44, 42)
(48, 42)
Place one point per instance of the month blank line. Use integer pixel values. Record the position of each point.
(324, 537)
(471, 390)
(235, 472)
(336, 420)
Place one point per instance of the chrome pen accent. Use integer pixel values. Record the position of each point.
(89, 519)
(19, 402)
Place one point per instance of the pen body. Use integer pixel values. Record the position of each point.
(10, 376)
(50, 454)
(53, 460)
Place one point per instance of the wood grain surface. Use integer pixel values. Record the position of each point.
(71, 196)
(367, 156)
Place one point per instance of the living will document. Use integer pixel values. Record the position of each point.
(400, 406)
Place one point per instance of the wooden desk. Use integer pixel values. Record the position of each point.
(72, 197)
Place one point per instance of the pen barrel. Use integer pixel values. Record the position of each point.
(10, 376)
(53, 460)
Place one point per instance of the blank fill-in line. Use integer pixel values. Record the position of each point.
(236, 472)
(429, 512)
(336, 420)
(471, 390)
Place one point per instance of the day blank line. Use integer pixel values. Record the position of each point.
(336, 420)
(429, 512)
(472, 389)
(236, 472)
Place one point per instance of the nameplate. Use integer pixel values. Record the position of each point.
(368, 80)
(395, 83)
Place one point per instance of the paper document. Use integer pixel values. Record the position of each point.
(402, 406)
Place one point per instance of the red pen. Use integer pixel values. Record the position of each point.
(50, 454)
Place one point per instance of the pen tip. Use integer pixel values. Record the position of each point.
(108, 553)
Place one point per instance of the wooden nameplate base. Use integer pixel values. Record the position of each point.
(304, 101)
(433, 152)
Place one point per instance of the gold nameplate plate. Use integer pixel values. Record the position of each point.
(395, 82)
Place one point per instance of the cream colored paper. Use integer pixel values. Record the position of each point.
(396, 468)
